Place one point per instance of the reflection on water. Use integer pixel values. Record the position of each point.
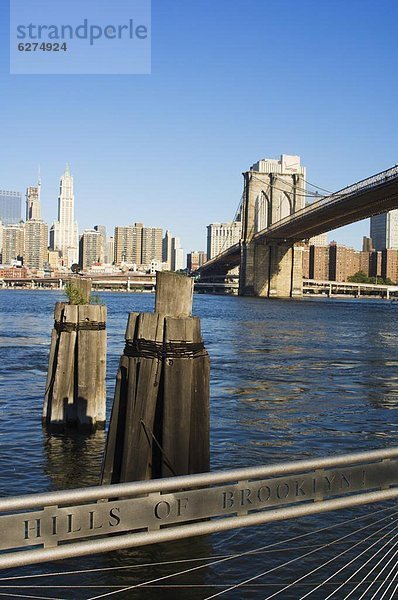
(289, 380)
(73, 460)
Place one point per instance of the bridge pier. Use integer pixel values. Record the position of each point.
(271, 270)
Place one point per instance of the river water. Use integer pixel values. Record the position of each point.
(289, 380)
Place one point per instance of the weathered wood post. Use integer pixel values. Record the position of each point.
(160, 419)
(75, 389)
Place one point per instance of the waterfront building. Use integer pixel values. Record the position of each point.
(137, 243)
(221, 236)
(319, 240)
(102, 230)
(384, 230)
(123, 245)
(343, 262)
(110, 250)
(166, 249)
(90, 249)
(319, 263)
(10, 207)
(306, 262)
(36, 244)
(195, 259)
(13, 243)
(375, 264)
(13, 272)
(54, 260)
(151, 245)
(177, 255)
(389, 264)
(155, 266)
(64, 232)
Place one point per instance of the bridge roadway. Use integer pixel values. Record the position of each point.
(369, 197)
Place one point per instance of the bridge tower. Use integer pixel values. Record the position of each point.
(274, 189)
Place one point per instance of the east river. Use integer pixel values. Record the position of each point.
(290, 380)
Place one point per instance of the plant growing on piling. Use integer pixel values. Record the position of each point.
(74, 295)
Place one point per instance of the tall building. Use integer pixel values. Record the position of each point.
(64, 232)
(221, 236)
(102, 230)
(195, 259)
(319, 240)
(151, 245)
(10, 207)
(110, 249)
(33, 207)
(367, 245)
(166, 249)
(343, 262)
(319, 263)
(384, 230)
(54, 260)
(123, 245)
(13, 243)
(137, 243)
(177, 255)
(389, 264)
(36, 244)
(90, 249)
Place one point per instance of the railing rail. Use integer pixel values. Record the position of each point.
(135, 514)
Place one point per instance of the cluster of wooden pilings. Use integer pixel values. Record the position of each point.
(160, 420)
(159, 425)
(75, 390)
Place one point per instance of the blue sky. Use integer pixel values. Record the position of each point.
(232, 81)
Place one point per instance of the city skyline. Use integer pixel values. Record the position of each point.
(333, 235)
(175, 142)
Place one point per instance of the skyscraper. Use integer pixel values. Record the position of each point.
(102, 230)
(110, 250)
(151, 245)
(220, 236)
(33, 208)
(64, 232)
(123, 245)
(90, 249)
(166, 249)
(384, 230)
(177, 255)
(13, 243)
(137, 242)
(36, 244)
(10, 207)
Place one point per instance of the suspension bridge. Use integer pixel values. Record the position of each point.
(274, 218)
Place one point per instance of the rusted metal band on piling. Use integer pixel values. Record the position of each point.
(141, 348)
(81, 326)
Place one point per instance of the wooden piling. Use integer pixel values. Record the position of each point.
(163, 427)
(75, 390)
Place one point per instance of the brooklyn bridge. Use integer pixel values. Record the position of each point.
(275, 220)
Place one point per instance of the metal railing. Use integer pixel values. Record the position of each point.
(135, 514)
